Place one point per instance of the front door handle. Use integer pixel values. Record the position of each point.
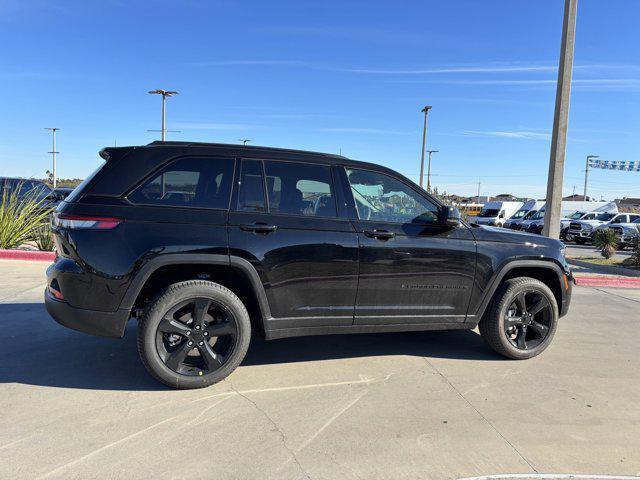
(259, 227)
(379, 234)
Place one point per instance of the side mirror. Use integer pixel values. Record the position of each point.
(451, 216)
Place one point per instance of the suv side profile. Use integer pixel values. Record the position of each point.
(205, 243)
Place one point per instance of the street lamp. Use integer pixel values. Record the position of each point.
(586, 174)
(165, 94)
(53, 153)
(424, 140)
(429, 169)
(244, 140)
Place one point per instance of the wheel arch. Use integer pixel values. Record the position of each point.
(546, 271)
(235, 273)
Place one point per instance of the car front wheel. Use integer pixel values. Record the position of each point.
(194, 334)
(521, 320)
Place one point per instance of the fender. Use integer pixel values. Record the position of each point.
(506, 268)
(143, 274)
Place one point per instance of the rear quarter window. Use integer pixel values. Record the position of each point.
(200, 182)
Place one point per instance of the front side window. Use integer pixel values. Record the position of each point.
(300, 189)
(188, 182)
(380, 197)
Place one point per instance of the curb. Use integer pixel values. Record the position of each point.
(607, 281)
(32, 255)
(610, 269)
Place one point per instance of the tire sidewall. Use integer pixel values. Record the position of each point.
(160, 306)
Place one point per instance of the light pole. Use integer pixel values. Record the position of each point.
(424, 140)
(53, 153)
(586, 175)
(560, 123)
(165, 94)
(244, 140)
(429, 169)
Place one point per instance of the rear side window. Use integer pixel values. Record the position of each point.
(300, 189)
(251, 193)
(201, 182)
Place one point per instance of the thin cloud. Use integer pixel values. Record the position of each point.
(212, 126)
(521, 134)
(366, 131)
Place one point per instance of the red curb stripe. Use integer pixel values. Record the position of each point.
(625, 282)
(27, 255)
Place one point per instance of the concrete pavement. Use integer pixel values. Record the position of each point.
(433, 405)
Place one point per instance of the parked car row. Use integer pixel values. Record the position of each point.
(579, 226)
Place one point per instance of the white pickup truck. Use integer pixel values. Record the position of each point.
(582, 231)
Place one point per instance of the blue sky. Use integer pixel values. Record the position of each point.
(328, 76)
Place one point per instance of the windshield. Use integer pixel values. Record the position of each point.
(539, 214)
(491, 212)
(575, 215)
(605, 217)
(530, 214)
(520, 214)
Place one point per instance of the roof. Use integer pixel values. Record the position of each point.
(251, 151)
(248, 148)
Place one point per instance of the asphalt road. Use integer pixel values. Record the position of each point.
(434, 405)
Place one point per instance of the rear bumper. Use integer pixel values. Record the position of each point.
(103, 324)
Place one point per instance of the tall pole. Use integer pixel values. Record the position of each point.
(553, 207)
(478, 191)
(586, 174)
(53, 154)
(164, 128)
(429, 169)
(424, 142)
(165, 94)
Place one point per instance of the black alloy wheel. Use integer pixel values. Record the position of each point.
(193, 334)
(196, 337)
(521, 319)
(528, 319)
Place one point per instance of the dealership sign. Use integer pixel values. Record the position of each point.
(616, 165)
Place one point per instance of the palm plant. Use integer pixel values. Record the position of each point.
(635, 256)
(607, 242)
(21, 216)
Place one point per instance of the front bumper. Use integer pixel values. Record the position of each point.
(580, 234)
(104, 324)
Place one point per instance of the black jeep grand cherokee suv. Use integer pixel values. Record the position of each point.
(203, 242)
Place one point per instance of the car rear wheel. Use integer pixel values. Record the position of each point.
(521, 320)
(194, 334)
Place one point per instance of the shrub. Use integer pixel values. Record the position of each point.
(607, 242)
(21, 216)
(43, 238)
(635, 256)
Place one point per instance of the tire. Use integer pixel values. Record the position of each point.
(205, 314)
(580, 241)
(501, 316)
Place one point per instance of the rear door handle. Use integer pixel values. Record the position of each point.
(379, 234)
(259, 227)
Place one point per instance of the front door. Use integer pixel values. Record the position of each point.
(413, 268)
(286, 224)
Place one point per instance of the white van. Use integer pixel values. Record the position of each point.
(496, 213)
(524, 213)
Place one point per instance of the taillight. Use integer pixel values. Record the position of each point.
(85, 222)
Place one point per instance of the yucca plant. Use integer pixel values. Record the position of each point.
(635, 256)
(21, 216)
(607, 242)
(43, 238)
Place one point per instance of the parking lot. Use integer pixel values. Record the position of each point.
(431, 405)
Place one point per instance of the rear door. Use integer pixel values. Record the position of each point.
(413, 268)
(287, 222)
